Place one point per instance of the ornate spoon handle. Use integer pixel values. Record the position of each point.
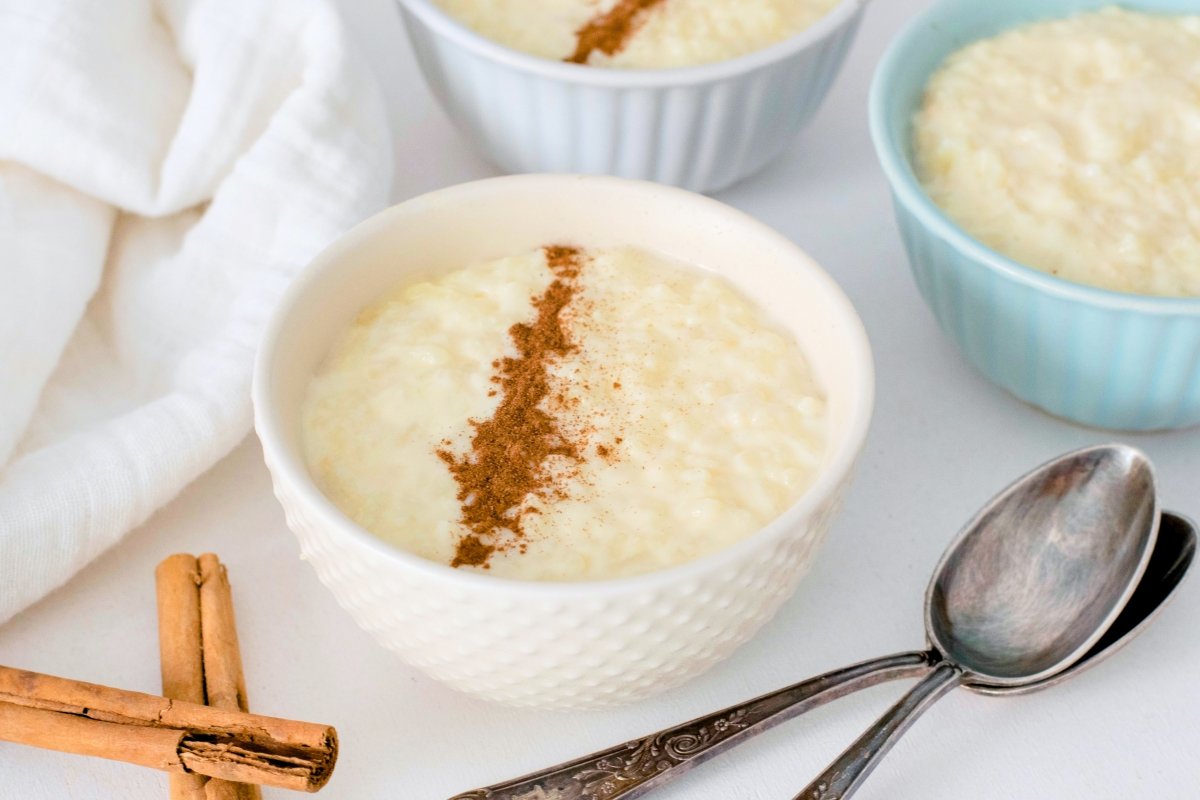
(843, 777)
(630, 770)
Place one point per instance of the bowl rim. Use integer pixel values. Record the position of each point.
(445, 25)
(901, 175)
(286, 465)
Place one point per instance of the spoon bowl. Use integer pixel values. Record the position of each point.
(1039, 575)
(1174, 552)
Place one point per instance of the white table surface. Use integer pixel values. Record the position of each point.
(943, 441)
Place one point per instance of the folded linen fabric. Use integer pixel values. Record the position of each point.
(165, 168)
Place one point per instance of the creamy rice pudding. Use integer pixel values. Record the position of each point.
(1073, 146)
(638, 33)
(565, 414)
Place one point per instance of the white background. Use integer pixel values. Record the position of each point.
(943, 441)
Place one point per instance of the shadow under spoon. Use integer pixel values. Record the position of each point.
(636, 767)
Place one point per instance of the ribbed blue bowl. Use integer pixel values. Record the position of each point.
(1102, 358)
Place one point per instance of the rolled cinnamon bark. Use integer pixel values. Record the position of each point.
(181, 658)
(171, 735)
(157, 748)
(224, 681)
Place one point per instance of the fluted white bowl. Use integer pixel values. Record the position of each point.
(701, 128)
(577, 644)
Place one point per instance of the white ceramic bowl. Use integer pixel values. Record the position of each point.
(702, 128)
(563, 645)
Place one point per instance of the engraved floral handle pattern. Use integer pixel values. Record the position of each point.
(630, 770)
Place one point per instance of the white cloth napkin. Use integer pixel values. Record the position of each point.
(165, 168)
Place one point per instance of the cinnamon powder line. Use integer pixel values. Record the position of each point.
(510, 454)
(610, 32)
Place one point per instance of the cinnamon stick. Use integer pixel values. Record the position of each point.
(181, 657)
(157, 748)
(171, 735)
(224, 681)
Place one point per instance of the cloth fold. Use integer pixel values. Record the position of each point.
(165, 169)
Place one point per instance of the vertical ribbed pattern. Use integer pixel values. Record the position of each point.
(1100, 364)
(702, 136)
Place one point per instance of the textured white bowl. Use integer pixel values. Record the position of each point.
(702, 128)
(562, 645)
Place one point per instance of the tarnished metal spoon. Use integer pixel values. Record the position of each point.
(1025, 591)
(1174, 552)
(634, 768)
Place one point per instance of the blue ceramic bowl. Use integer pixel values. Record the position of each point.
(1102, 358)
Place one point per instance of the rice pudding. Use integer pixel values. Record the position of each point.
(647, 34)
(565, 414)
(1073, 146)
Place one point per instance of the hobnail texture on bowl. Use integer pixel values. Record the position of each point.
(559, 645)
(701, 128)
(1100, 358)
(558, 652)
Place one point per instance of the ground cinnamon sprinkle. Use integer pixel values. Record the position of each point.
(511, 452)
(610, 31)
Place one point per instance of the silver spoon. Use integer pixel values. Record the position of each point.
(634, 768)
(1173, 554)
(1026, 590)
